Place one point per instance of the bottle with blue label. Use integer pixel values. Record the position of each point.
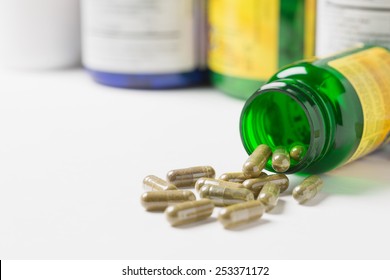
(152, 44)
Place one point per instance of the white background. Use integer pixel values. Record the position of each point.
(73, 155)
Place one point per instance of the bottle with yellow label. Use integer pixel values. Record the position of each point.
(251, 39)
(336, 109)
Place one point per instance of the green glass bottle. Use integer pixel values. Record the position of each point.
(337, 109)
(251, 39)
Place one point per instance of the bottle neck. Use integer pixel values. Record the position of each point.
(299, 114)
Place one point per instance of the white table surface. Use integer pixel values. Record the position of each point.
(73, 155)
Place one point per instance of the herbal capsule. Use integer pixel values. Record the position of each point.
(297, 152)
(242, 213)
(189, 212)
(159, 200)
(255, 185)
(154, 183)
(187, 177)
(269, 195)
(215, 182)
(280, 159)
(256, 162)
(236, 177)
(307, 189)
(223, 196)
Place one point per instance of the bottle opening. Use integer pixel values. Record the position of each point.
(278, 119)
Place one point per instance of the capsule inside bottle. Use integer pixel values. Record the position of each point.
(297, 152)
(280, 159)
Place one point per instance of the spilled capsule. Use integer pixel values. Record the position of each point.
(215, 182)
(256, 162)
(240, 214)
(255, 185)
(160, 200)
(269, 195)
(187, 177)
(236, 177)
(154, 183)
(189, 212)
(280, 159)
(223, 196)
(308, 189)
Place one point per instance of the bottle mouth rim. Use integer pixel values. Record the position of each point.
(303, 96)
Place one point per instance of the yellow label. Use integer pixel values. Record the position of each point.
(310, 26)
(244, 37)
(369, 73)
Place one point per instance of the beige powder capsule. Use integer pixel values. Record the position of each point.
(240, 214)
(269, 195)
(308, 189)
(187, 177)
(215, 182)
(189, 212)
(160, 200)
(255, 185)
(236, 177)
(154, 183)
(280, 159)
(223, 196)
(297, 152)
(256, 162)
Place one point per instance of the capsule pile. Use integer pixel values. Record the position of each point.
(244, 195)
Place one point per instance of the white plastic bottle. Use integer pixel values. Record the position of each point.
(343, 23)
(144, 43)
(40, 34)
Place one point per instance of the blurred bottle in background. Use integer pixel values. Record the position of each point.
(252, 39)
(145, 43)
(343, 23)
(39, 34)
